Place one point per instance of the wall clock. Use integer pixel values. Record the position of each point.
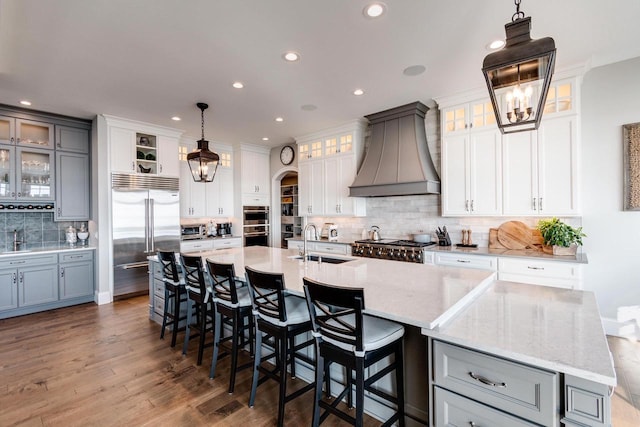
(287, 154)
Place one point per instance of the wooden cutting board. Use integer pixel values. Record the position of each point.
(493, 239)
(515, 235)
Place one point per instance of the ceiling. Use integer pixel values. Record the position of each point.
(149, 60)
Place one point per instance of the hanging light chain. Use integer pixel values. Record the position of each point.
(202, 122)
(518, 14)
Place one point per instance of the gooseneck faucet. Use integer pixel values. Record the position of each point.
(305, 254)
(16, 242)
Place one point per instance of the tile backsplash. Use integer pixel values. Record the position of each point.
(36, 229)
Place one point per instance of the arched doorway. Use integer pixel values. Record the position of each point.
(285, 221)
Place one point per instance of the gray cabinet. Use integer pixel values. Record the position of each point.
(75, 274)
(72, 186)
(8, 289)
(72, 139)
(500, 384)
(37, 285)
(44, 281)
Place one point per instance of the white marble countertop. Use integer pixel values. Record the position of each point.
(416, 294)
(48, 249)
(552, 328)
(580, 257)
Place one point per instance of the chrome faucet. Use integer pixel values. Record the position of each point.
(16, 242)
(305, 254)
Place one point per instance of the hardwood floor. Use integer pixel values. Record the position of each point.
(105, 365)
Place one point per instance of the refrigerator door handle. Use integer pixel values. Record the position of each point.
(152, 226)
(146, 225)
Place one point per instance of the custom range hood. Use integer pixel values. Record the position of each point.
(397, 162)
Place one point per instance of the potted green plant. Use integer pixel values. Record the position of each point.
(560, 238)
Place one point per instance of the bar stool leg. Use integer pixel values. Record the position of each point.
(283, 377)
(164, 313)
(399, 362)
(203, 335)
(216, 344)
(187, 331)
(359, 391)
(256, 363)
(234, 349)
(320, 373)
(292, 346)
(176, 316)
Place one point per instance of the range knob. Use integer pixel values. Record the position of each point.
(379, 252)
(418, 257)
(412, 256)
(404, 255)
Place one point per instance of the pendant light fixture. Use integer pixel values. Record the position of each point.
(518, 76)
(203, 162)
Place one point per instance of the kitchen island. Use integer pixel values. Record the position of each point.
(548, 341)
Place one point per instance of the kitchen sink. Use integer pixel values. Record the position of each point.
(326, 259)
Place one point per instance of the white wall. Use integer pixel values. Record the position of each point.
(610, 98)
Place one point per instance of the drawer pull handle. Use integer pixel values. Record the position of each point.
(535, 268)
(466, 261)
(486, 381)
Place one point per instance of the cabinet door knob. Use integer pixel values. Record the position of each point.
(133, 166)
(13, 140)
(160, 168)
(540, 203)
(534, 204)
(472, 205)
(59, 211)
(59, 145)
(466, 205)
(14, 278)
(21, 277)
(61, 271)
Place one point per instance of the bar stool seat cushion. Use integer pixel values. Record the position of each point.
(244, 300)
(376, 333)
(296, 309)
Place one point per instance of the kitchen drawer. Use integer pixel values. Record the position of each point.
(196, 245)
(75, 256)
(255, 200)
(549, 273)
(230, 242)
(158, 305)
(429, 257)
(158, 288)
(467, 261)
(454, 410)
(29, 260)
(332, 248)
(156, 268)
(518, 389)
(297, 244)
(586, 402)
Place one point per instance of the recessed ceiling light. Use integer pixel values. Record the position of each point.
(308, 107)
(264, 138)
(238, 85)
(374, 10)
(358, 92)
(279, 119)
(291, 56)
(176, 118)
(25, 102)
(414, 70)
(496, 44)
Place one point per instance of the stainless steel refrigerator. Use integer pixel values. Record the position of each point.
(145, 219)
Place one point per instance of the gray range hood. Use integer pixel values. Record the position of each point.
(397, 162)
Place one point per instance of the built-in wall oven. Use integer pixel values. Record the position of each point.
(255, 225)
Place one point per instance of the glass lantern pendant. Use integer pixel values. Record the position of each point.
(518, 76)
(203, 162)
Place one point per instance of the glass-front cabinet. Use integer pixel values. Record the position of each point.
(34, 133)
(26, 174)
(7, 130)
(7, 173)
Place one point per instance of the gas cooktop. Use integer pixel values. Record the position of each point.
(391, 242)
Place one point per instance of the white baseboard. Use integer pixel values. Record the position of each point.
(103, 298)
(628, 329)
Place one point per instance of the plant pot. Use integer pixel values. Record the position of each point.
(560, 250)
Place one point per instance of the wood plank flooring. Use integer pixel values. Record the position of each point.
(104, 365)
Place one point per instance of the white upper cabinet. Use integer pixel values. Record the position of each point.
(327, 167)
(472, 174)
(519, 174)
(255, 178)
(137, 147)
(211, 199)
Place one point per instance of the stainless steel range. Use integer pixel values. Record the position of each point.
(398, 250)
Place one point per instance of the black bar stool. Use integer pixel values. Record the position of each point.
(175, 290)
(282, 317)
(233, 306)
(346, 336)
(199, 294)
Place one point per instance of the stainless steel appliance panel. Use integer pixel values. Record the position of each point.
(165, 220)
(255, 223)
(130, 231)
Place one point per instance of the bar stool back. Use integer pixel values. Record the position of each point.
(283, 317)
(347, 336)
(174, 290)
(199, 295)
(233, 306)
